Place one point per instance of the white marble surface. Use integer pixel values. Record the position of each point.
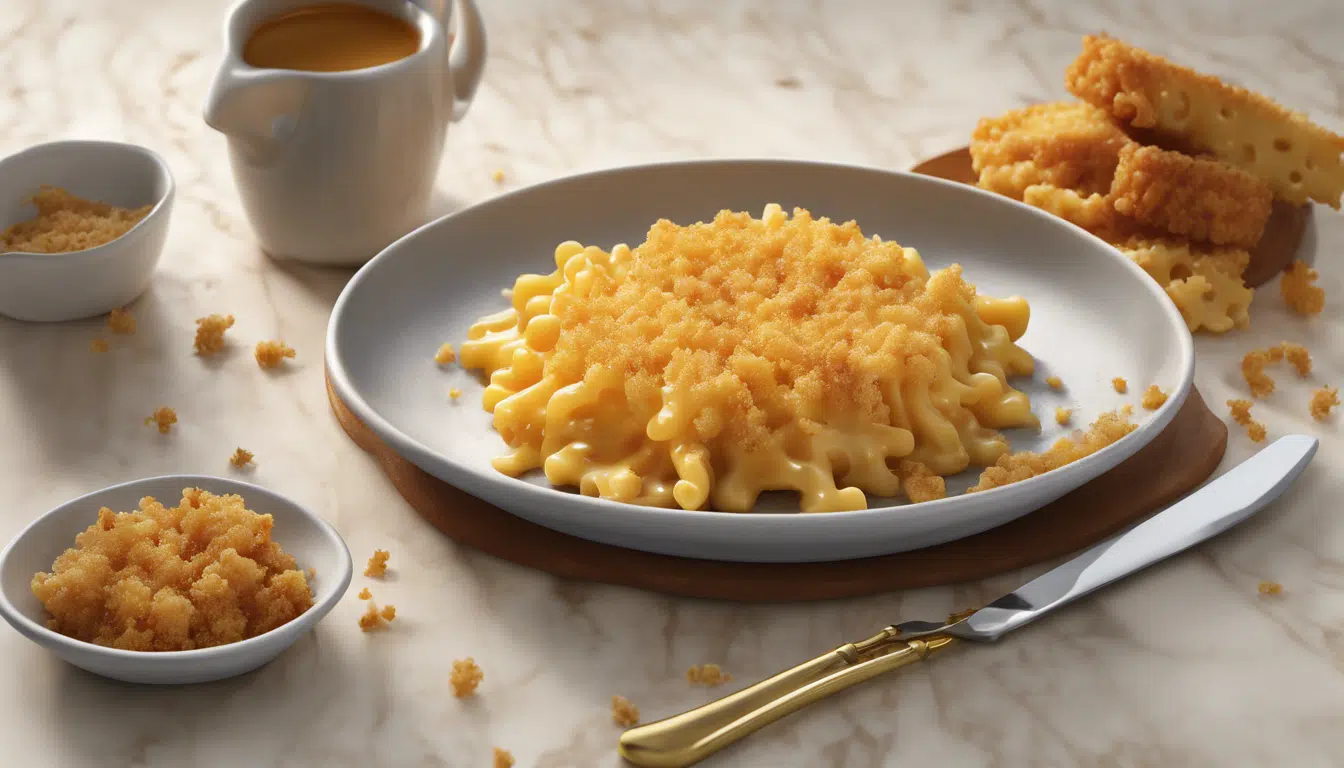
(1185, 665)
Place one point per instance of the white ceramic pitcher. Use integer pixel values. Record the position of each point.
(333, 166)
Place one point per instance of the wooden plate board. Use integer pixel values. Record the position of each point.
(1277, 248)
(1175, 462)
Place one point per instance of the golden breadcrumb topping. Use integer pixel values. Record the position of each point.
(375, 618)
(1063, 416)
(270, 354)
(365, 594)
(98, 345)
(1253, 369)
(1322, 400)
(65, 223)
(1121, 386)
(454, 393)
(377, 566)
(1299, 159)
(1299, 291)
(210, 333)
(1153, 398)
(707, 674)
(1016, 467)
(1270, 588)
(1241, 411)
(445, 354)
(241, 457)
(1256, 431)
(1297, 356)
(121, 321)
(503, 757)
(163, 417)
(203, 573)
(466, 676)
(624, 713)
(920, 482)
(1054, 382)
(1195, 197)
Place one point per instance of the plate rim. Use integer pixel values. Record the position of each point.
(467, 477)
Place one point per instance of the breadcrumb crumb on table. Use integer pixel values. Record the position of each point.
(1270, 588)
(466, 677)
(241, 457)
(1322, 400)
(210, 333)
(1298, 289)
(163, 417)
(377, 618)
(121, 321)
(1256, 431)
(707, 674)
(98, 345)
(365, 594)
(270, 354)
(497, 176)
(1121, 386)
(1054, 382)
(454, 393)
(377, 567)
(503, 758)
(1153, 397)
(445, 355)
(1241, 411)
(1298, 356)
(1253, 369)
(623, 712)
(1063, 416)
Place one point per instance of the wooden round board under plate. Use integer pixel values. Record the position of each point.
(1275, 251)
(1174, 463)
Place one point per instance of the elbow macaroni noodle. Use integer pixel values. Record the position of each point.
(716, 361)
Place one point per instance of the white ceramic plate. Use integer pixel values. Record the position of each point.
(1094, 315)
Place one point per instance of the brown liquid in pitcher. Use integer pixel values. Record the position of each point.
(333, 37)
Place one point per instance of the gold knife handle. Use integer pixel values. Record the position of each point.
(692, 736)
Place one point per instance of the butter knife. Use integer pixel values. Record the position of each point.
(1244, 490)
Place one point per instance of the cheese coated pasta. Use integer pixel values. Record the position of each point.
(719, 360)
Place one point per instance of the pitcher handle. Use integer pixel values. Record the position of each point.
(466, 56)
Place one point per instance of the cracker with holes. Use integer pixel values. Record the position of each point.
(1300, 160)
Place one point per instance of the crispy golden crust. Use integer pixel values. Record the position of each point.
(1202, 199)
(1300, 160)
(1066, 145)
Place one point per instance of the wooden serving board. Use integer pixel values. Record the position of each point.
(1175, 462)
(1276, 250)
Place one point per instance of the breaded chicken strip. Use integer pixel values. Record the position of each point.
(1300, 160)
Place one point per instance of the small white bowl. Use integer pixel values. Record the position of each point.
(312, 541)
(54, 287)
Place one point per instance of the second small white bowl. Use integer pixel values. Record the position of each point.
(54, 287)
(310, 539)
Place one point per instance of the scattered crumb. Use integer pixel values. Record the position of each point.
(98, 345)
(1016, 467)
(241, 457)
(454, 393)
(1153, 398)
(788, 82)
(1120, 385)
(365, 594)
(503, 758)
(270, 354)
(466, 675)
(1322, 400)
(374, 618)
(210, 333)
(1063, 415)
(1298, 290)
(707, 674)
(919, 482)
(1256, 431)
(497, 176)
(624, 713)
(66, 223)
(1241, 411)
(377, 566)
(1054, 382)
(121, 321)
(163, 417)
(1298, 356)
(1253, 369)
(445, 354)
(1271, 588)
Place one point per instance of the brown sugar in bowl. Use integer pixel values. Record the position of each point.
(312, 541)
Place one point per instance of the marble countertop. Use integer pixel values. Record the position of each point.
(1184, 665)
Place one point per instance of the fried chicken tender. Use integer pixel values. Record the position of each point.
(1300, 160)
(1202, 199)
